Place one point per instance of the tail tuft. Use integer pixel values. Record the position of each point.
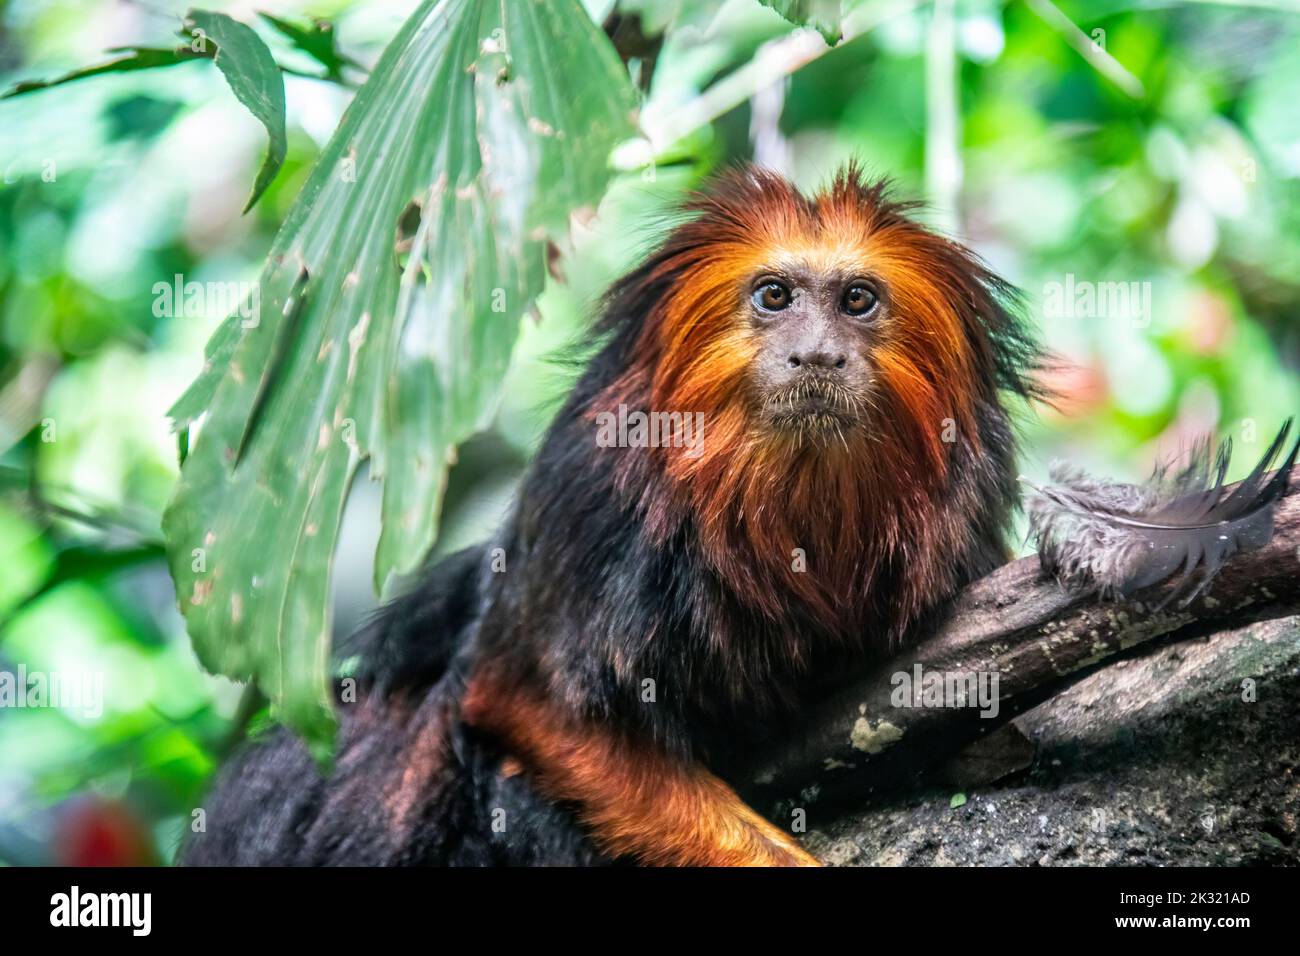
(1114, 539)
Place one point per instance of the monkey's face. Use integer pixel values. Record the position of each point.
(814, 320)
(833, 324)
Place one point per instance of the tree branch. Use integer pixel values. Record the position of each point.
(1036, 637)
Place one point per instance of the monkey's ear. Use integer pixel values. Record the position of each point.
(1113, 538)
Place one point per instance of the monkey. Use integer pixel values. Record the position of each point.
(579, 689)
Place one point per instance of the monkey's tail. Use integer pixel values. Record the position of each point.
(1114, 538)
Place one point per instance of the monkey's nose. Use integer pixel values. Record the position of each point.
(818, 358)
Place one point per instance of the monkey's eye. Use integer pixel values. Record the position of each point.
(859, 299)
(772, 296)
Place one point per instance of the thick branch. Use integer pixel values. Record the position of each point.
(1037, 638)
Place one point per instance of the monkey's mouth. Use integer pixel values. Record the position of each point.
(812, 406)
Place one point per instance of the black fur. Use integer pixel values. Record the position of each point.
(587, 608)
(410, 785)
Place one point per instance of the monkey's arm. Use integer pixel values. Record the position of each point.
(635, 800)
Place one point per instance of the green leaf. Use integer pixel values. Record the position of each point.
(78, 562)
(239, 54)
(318, 42)
(251, 71)
(822, 15)
(389, 308)
(958, 800)
(131, 58)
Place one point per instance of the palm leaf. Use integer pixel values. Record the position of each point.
(481, 128)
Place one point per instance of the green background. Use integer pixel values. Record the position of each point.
(1168, 157)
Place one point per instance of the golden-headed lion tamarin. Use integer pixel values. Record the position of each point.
(666, 604)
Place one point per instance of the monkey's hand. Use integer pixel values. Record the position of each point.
(635, 800)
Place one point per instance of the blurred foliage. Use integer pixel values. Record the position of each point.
(1156, 144)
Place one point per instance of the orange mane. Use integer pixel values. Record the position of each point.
(763, 503)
